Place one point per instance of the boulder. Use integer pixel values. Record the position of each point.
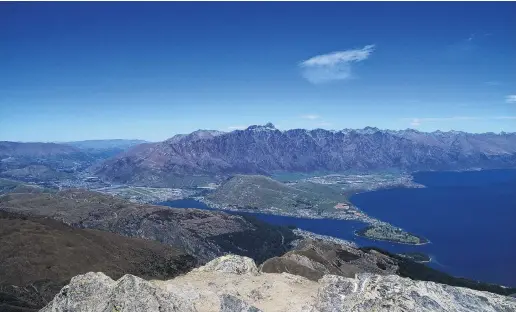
(230, 264)
(96, 292)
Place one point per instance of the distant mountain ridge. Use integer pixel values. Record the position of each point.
(121, 144)
(50, 161)
(265, 149)
(35, 149)
(44, 160)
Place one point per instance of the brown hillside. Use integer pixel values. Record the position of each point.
(38, 256)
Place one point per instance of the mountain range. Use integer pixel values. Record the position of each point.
(205, 155)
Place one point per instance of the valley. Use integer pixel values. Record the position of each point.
(164, 242)
(322, 195)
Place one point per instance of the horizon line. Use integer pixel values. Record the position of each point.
(274, 129)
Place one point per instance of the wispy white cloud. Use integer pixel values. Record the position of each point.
(311, 117)
(493, 83)
(333, 66)
(416, 122)
(510, 98)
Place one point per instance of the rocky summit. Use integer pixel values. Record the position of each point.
(233, 284)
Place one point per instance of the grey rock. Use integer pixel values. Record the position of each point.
(97, 292)
(230, 264)
(231, 303)
(368, 292)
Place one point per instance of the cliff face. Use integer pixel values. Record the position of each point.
(233, 283)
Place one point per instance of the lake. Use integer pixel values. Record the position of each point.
(468, 217)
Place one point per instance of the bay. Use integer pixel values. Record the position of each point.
(467, 216)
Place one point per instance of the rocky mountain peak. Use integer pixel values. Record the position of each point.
(196, 135)
(267, 127)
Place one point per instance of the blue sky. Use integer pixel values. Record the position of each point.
(73, 71)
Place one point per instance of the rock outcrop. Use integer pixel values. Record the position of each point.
(230, 284)
(230, 264)
(97, 292)
(232, 304)
(315, 258)
(369, 292)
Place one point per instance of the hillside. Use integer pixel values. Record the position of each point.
(11, 186)
(201, 233)
(207, 155)
(39, 173)
(39, 256)
(263, 194)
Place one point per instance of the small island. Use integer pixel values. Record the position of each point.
(416, 256)
(391, 234)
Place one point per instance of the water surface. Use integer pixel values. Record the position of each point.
(468, 216)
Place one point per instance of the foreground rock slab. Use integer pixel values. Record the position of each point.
(232, 284)
(369, 292)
